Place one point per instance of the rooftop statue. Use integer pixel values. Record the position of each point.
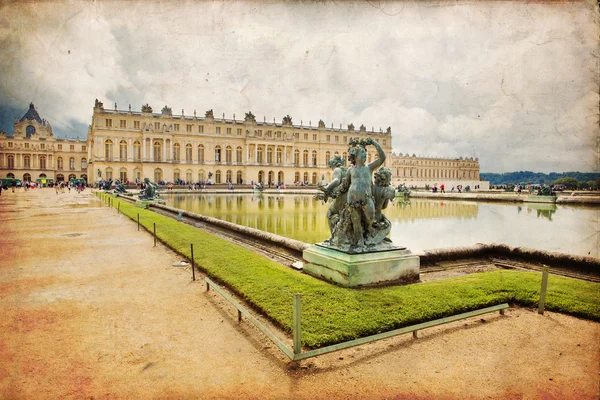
(250, 117)
(356, 222)
(119, 187)
(209, 114)
(287, 120)
(146, 108)
(149, 192)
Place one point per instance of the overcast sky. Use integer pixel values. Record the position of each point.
(513, 83)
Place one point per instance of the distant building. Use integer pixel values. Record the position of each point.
(421, 171)
(32, 153)
(129, 145)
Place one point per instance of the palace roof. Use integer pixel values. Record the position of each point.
(31, 115)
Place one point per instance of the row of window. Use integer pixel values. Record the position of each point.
(428, 173)
(43, 146)
(42, 162)
(437, 163)
(260, 153)
(189, 128)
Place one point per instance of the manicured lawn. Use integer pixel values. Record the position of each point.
(331, 314)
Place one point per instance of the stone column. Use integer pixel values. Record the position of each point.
(143, 148)
(164, 158)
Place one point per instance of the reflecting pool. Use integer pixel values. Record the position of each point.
(419, 225)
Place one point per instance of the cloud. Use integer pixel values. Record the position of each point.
(512, 83)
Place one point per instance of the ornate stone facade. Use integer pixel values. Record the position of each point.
(164, 147)
(420, 171)
(33, 153)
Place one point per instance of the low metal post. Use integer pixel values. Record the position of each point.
(543, 291)
(154, 234)
(207, 286)
(138, 221)
(415, 335)
(119, 208)
(296, 317)
(239, 316)
(193, 269)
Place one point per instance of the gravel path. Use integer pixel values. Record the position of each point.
(90, 309)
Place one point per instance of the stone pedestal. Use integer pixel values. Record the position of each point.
(352, 270)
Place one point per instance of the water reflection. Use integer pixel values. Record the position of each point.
(419, 225)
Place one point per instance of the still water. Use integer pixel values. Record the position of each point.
(419, 225)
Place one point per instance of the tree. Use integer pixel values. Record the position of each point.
(570, 183)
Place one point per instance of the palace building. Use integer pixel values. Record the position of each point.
(163, 147)
(421, 171)
(32, 153)
(129, 145)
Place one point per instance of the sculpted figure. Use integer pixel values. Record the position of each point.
(149, 191)
(355, 230)
(329, 191)
(119, 187)
(107, 184)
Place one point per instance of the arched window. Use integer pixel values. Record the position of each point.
(11, 161)
(84, 177)
(228, 175)
(238, 154)
(260, 155)
(239, 178)
(218, 154)
(201, 176)
(10, 175)
(27, 177)
(41, 176)
(188, 155)
(228, 154)
(108, 150)
(314, 158)
(30, 130)
(296, 157)
(27, 161)
(327, 157)
(60, 178)
(305, 177)
(176, 176)
(83, 164)
(269, 155)
(72, 176)
(59, 163)
(108, 173)
(261, 176)
(71, 163)
(158, 175)
(176, 152)
(279, 156)
(280, 177)
(314, 178)
(218, 176)
(188, 175)
(42, 162)
(345, 155)
(137, 151)
(297, 177)
(123, 150)
(123, 175)
(158, 152)
(201, 154)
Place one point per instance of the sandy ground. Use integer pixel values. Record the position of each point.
(90, 309)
